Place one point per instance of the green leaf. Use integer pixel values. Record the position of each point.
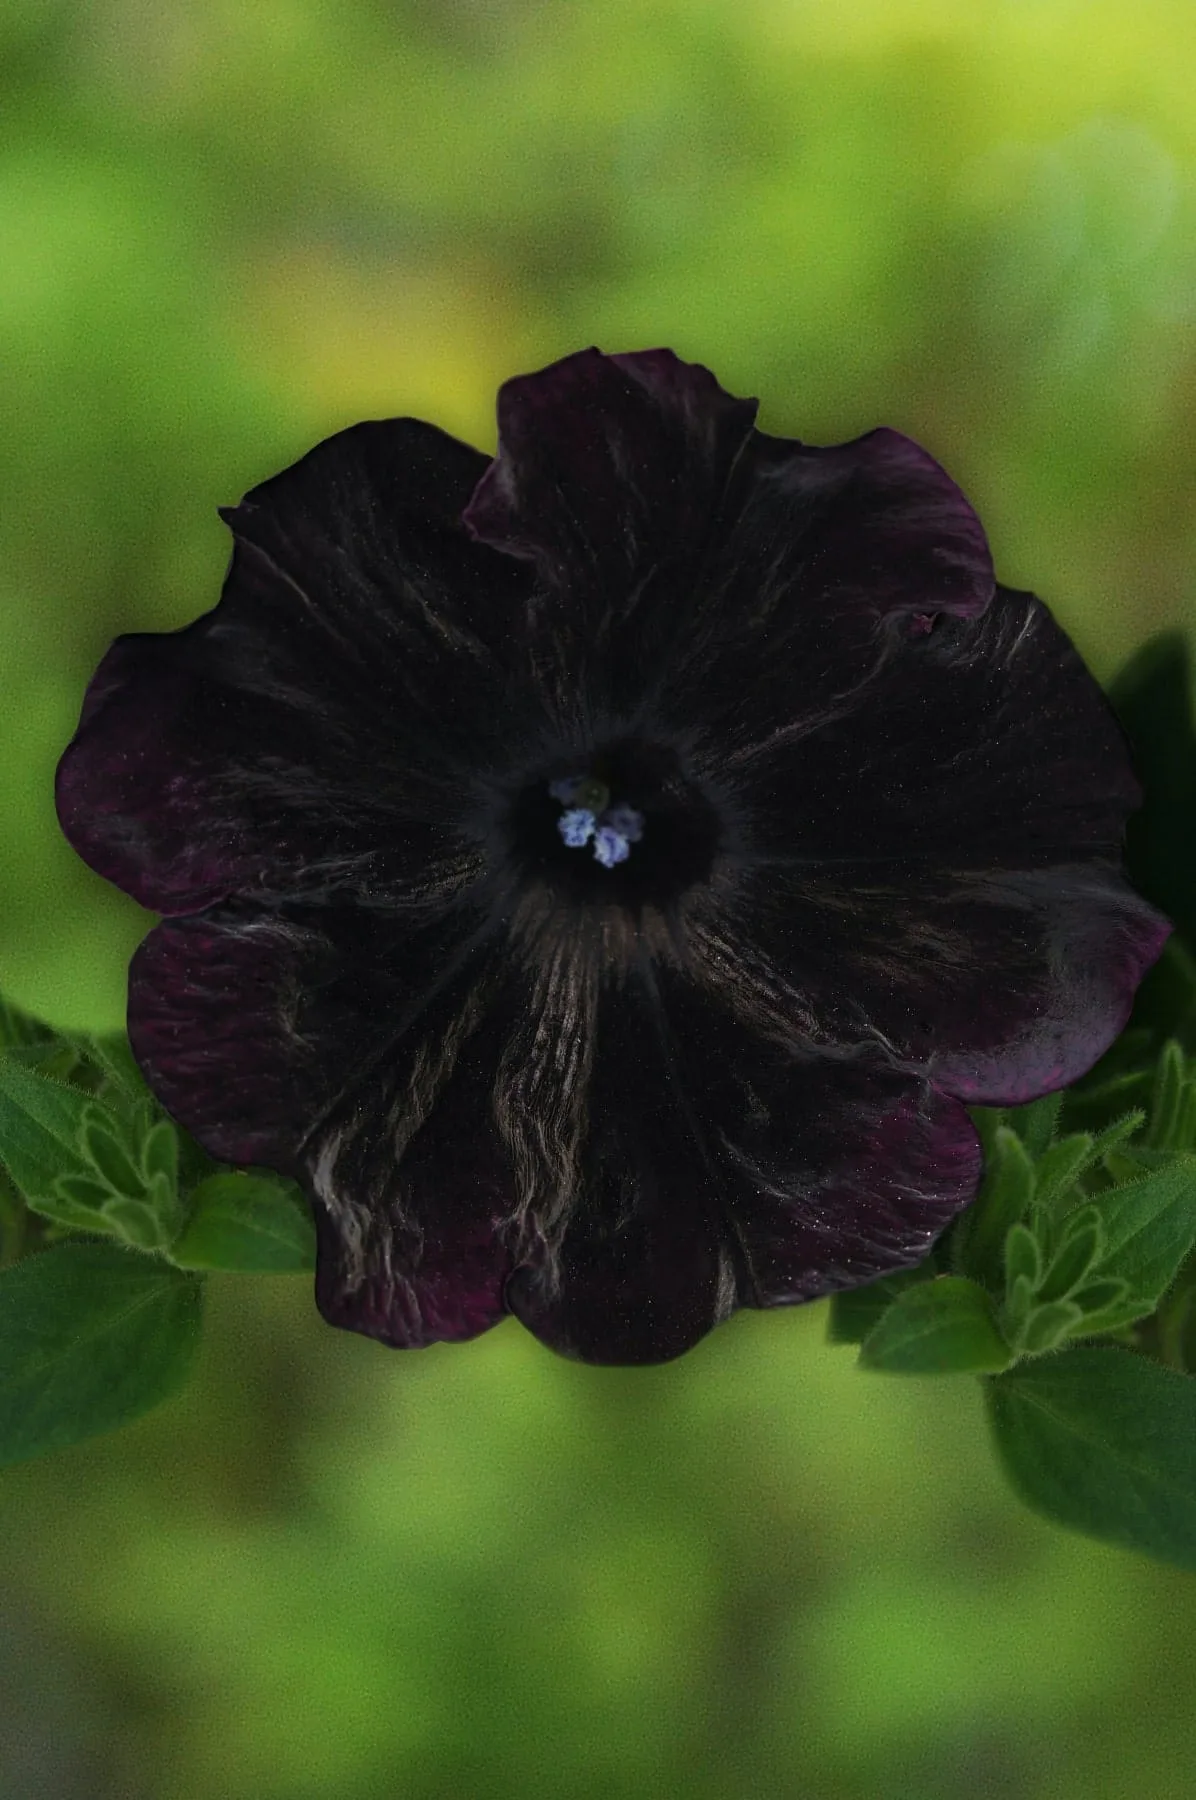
(1117, 1134)
(41, 1121)
(1105, 1442)
(1060, 1166)
(77, 1205)
(1097, 1297)
(1019, 1304)
(102, 1146)
(1035, 1124)
(1047, 1326)
(1149, 1226)
(1004, 1198)
(19, 1027)
(1023, 1259)
(90, 1336)
(1073, 1260)
(111, 1055)
(854, 1312)
(944, 1326)
(159, 1157)
(135, 1220)
(1166, 1096)
(251, 1224)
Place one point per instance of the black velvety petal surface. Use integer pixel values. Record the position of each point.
(314, 733)
(720, 1171)
(602, 874)
(316, 1043)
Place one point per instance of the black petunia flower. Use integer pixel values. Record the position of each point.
(602, 875)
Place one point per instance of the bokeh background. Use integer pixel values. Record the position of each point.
(230, 227)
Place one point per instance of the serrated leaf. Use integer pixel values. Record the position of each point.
(250, 1224)
(940, 1327)
(90, 1336)
(1103, 1441)
(40, 1124)
(1149, 1226)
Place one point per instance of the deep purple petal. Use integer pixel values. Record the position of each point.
(824, 1171)
(609, 473)
(638, 1274)
(1000, 987)
(984, 743)
(828, 568)
(420, 1257)
(933, 871)
(720, 1170)
(858, 860)
(319, 728)
(607, 463)
(681, 552)
(359, 1063)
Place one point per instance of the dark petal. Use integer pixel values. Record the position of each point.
(424, 1259)
(825, 565)
(824, 1172)
(317, 730)
(860, 1182)
(607, 463)
(359, 1062)
(983, 743)
(935, 873)
(1000, 987)
(682, 553)
(639, 1275)
(609, 471)
(213, 1022)
(720, 1170)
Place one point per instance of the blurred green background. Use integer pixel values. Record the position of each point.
(229, 227)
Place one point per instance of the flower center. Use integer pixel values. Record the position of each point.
(589, 818)
(628, 823)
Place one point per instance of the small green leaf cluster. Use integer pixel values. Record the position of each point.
(110, 1217)
(1069, 1287)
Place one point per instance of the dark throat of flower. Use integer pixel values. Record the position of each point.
(626, 824)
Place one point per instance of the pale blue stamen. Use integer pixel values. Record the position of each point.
(587, 816)
(610, 847)
(576, 826)
(626, 821)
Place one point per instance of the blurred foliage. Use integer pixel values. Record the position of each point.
(226, 231)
